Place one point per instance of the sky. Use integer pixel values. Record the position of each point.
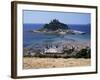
(43, 17)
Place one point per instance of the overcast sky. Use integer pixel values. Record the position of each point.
(42, 17)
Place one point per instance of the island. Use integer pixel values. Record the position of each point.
(57, 27)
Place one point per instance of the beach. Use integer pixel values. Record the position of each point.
(35, 63)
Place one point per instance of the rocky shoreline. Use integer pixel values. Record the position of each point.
(59, 31)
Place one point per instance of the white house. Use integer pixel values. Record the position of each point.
(53, 50)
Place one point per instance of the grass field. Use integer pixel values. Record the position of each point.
(35, 63)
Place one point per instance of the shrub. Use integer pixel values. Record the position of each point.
(84, 53)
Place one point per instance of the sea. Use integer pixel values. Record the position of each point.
(31, 39)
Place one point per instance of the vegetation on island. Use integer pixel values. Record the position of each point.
(55, 25)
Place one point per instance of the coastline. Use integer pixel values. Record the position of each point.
(59, 31)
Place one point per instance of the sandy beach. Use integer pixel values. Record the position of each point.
(35, 63)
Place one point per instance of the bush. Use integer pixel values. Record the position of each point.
(84, 53)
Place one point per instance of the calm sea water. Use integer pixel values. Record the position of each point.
(30, 38)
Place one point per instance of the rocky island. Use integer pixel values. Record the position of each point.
(57, 27)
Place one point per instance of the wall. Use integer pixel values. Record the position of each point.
(5, 40)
